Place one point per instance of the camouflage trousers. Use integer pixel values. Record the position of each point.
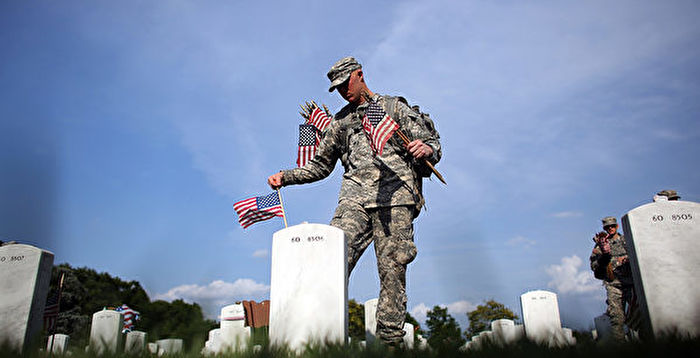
(391, 229)
(618, 297)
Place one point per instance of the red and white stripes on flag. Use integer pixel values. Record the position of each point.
(130, 316)
(379, 127)
(308, 142)
(319, 119)
(258, 208)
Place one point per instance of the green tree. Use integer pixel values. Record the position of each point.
(481, 317)
(356, 320)
(444, 333)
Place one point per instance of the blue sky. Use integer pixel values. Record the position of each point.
(128, 130)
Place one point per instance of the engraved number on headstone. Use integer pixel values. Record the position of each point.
(677, 217)
(12, 258)
(314, 238)
(657, 218)
(296, 239)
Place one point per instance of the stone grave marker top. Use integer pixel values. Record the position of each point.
(662, 239)
(308, 292)
(540, 312)
(106, 331)
(25, 272)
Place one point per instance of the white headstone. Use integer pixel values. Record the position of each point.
(569, 336)
(308, 292)
(371, 320)
(135, 342)
(662, 239)
(106, 331)
(152, 348)
(169, 346)
(234, 335)
(540, 311)
(422, 342)
(503, 331)
(408, 338)
(215, 340)
(25, 272)
(57, 343)
(602, 327)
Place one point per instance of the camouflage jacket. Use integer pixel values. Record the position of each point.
(610, 266)
(392, 179)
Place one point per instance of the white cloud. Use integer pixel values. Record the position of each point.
(460, 307)
(567, 214)
(262, 253)
(217, 294)
(521, 241)
(457, 309)
(420, 312)
(569, 278)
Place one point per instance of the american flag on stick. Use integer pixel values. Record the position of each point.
(319, 119)
(308, 143)
(258, 208)
(53, 307)
(51, 312)
(129, 317)
(378, 126)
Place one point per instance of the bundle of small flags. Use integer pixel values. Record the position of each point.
(317, 121)
(130, 316)
(258, 208)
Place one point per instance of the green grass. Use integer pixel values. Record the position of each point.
(668, 347)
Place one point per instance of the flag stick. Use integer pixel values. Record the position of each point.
(58, 303)
(284, 214)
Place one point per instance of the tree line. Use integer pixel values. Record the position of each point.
(86, 291)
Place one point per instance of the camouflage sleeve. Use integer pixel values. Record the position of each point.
(595, 258)
(322, 164)
(599, 262)
(416, 127)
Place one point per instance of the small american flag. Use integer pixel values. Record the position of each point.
(129, 317)
(51, 312)
(319, 119)
(379, 126)
(258, 208)
(308, 142)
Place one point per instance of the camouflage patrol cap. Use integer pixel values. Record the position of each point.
(341, 70)
(609, 221)
(671, 194)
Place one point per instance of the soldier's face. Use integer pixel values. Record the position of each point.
(351, 90)
(611, 229)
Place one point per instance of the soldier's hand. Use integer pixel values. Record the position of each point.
(275, 180)
(418, 149)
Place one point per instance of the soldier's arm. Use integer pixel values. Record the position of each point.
(322, 164)
(416, 127)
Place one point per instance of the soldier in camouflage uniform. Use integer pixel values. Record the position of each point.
(609, 263)
(380, 194)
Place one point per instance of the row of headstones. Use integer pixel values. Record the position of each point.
(135, 344)
(309, 264)
(106, 336)
(541, 324)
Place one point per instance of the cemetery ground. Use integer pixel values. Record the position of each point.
(672, 346)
